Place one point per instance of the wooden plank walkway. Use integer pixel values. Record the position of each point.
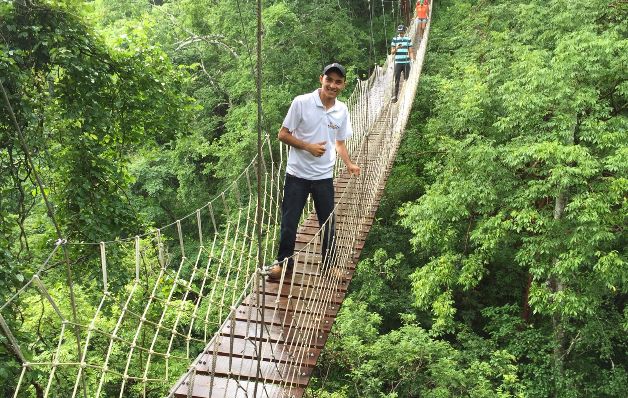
(297, 315)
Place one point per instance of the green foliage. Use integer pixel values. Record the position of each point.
(378, 277)
(407, 362)
(530, 122)
(84, 109)
(516, 210)
(87, 107)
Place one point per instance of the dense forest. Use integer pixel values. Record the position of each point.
(497, 264)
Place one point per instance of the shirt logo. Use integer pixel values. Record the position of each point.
(333, 126)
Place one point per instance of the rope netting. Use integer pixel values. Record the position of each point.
(194, 286)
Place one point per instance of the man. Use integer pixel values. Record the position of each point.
(315, 128)
(422, 12)
(401, 47)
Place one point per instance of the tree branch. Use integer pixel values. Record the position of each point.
(209, 39)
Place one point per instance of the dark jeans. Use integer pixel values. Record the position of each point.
(405, 68)
(296, 191)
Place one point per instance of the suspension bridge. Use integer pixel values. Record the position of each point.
(185, 310)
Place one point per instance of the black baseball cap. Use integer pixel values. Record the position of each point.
(339, 68)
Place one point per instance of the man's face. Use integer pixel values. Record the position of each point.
(332, 84)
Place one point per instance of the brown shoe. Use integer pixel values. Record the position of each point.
(274, 273)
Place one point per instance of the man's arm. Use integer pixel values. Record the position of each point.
(316, 149)
(393, 46)
(341, 148)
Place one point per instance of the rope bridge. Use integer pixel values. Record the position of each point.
(194, 286)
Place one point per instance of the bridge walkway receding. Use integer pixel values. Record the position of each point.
(298, 314)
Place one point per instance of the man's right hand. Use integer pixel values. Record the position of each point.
(317, 149)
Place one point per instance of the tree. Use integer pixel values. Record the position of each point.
(518, 139)
(534, 129)
(84, 108)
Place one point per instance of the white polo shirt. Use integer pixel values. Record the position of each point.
(309, 121)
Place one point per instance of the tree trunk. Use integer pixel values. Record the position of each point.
(558, 286)
(405, 11)
(525, 312)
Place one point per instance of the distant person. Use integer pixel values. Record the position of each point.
(315, 128)
(401, 47)
(422, 15)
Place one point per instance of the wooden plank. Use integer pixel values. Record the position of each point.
(312, 228)
(317, 298)
(308, 274)
(309, 292)
(301, 246)
(313, 237)
(272, 352)
(243, 368)
(310, 265)
(308, 306)
(279, 317)
(300, 277)
(230, 388)
(301, 333)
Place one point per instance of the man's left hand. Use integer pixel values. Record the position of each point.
(354, 169)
